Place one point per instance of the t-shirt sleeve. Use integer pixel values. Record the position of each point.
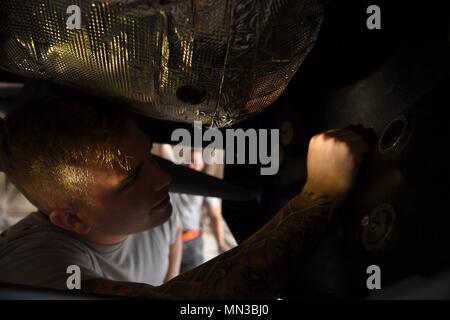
(213, 202)
(46, 264)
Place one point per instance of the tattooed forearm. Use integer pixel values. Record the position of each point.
(257, 268)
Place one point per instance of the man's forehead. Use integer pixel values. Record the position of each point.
(134, 144)
(108, 181)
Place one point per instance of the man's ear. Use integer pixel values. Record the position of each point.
(67, 219)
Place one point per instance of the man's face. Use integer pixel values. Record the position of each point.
(126, 202)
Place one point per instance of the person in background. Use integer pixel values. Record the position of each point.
(191, 208)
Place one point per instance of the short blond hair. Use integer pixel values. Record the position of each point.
(48, 143)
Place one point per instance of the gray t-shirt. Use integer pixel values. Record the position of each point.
(35, 252)
(190, 208)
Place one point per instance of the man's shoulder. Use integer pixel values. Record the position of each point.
(35, 231)
(34, 252)
(25, 228)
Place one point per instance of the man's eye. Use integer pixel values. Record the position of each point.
(131, 182)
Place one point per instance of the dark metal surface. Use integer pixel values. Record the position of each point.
(214, 61)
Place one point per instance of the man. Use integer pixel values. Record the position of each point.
(190, 209)
(13, 205)
(100, 227)
(88, 169)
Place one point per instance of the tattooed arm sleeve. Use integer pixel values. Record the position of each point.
(257, 268)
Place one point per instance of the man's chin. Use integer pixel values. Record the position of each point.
(161, 216)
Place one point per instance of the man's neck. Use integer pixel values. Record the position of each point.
(103, 239)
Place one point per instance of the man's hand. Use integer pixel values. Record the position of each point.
(333, 161)
(257, 268)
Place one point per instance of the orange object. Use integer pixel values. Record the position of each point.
(191, 234)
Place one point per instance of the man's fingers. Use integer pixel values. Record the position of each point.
(359, 150)
(357, 142)
(344, 134)
(351, 135)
